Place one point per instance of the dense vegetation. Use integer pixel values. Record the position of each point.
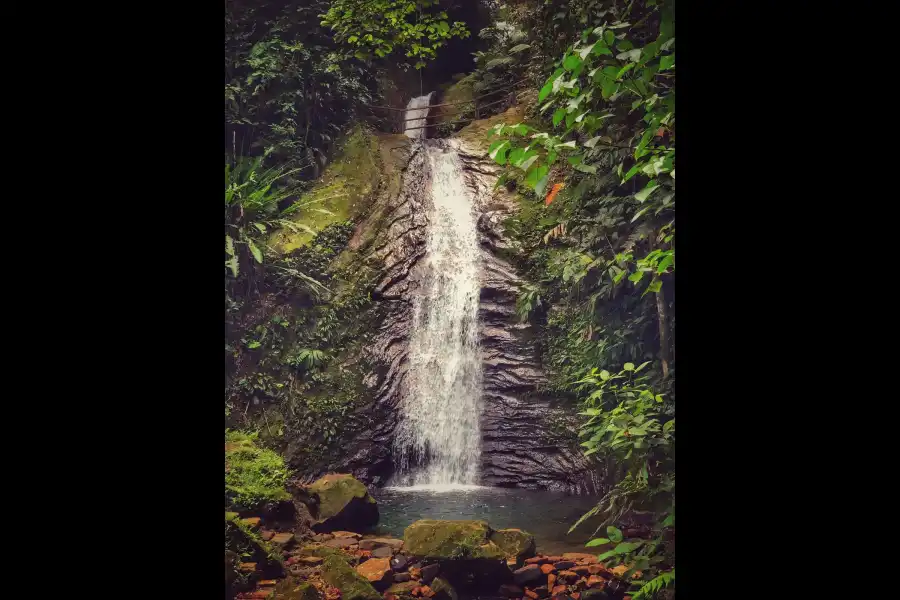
(594, 165)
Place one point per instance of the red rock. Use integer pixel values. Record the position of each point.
(247, 567)
(559, 589)
(267, 583)
(341, 543)
(554, 559)
(530, 594)
(594, 569)
(282, 538)
(251, 521)
(346, 534)
(576, 595)
(426, 591)
(376, 570)
(582, 570)
(266, 534)
(618, 571)
(580, 557)
(537, 560)
(546, 569)
(551, 580)
(597, 582)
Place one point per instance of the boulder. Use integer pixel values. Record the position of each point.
(377, 571)
(382, 552)
(449, 540)
(527, 574)
(338, 573)
(342, 503)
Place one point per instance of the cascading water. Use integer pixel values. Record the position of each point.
(438, 438)
(416, 113)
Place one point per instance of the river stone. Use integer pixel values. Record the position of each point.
(399, 562)
(564, 564)
(453, 540)
(377, 571)
(382, 552)
(527, 574)
(338, 573)
(340, 543)
(581, 557)
(443, 590)
(343, 503)
(401, 577)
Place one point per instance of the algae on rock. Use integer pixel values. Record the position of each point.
(453, 540)
(343, 503)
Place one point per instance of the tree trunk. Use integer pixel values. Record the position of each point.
(663, 331)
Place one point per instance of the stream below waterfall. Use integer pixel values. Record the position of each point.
(546, 515)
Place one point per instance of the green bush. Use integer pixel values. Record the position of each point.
(253, 475)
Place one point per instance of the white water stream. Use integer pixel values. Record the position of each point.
(438, 438)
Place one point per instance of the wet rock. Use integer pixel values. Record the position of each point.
(382, 552)
(583, 570)
(595, 581)
(322, 537)
(546, 569)
(338, 573)
(527, 574)
(531, 594)
(429, 572)
(399, 562)
(594, 594)
(282, 539)
(551, 580)
(537, 560)
(401, 577)
(342, 503)
(557, 590)
(542, 591)
(509, 590)
(377, 571)
(346, 534)
(564, 564)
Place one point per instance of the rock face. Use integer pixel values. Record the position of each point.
(527, 440)
(342, 503)
(454, 540)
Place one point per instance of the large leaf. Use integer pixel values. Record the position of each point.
(667, 62)
(498, 150)
(572, 62)
(558, 116)
(534, 176)
(614, 534)
(255, 251)
(519, 47)
(651, 187)
(597, 542)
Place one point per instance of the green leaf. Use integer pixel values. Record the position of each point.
(498, 150)
(533, 177)
(542, 184)
(654, 287)
(632, 172)
(664, 264)
(545, 91)
(629, 366)
(651, 187)
(253, 344)
(636, 276)
(558, 116)
(528, 162)
(597, 542)
(260, 226)
(583, 53)
(627, 547)
(606, 555)
(572, 62)
(614, 534)
(519, 48)
(609, 37)
(640, 212)
(604, 375)
(667, 62)
(586, 168)
(229, 246)
(255, 251)
(570, 144)
(624, 69)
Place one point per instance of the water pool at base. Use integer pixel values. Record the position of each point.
(546, 515)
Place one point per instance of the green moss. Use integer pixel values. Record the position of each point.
(335, 491)
(338, 573)
(343, 191)
(253, 475)
(403, 590)
(320, 550)
(474, 135)
(447, 540)
(246, 543)
(443, 590)
(294, 589)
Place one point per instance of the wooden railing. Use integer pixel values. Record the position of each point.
(474, 107)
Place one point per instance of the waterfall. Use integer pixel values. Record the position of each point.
(417, 111)
(438, 438)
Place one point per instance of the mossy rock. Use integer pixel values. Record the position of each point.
(243, 544)
(443, 590)
(320, 550)
(454, 540)
(338, 573)
(343, 503)
(473, 136)
(403, 590)
(295, 589)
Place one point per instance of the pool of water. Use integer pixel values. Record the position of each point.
(546, 515)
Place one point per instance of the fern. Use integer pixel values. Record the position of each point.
(652, 587)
